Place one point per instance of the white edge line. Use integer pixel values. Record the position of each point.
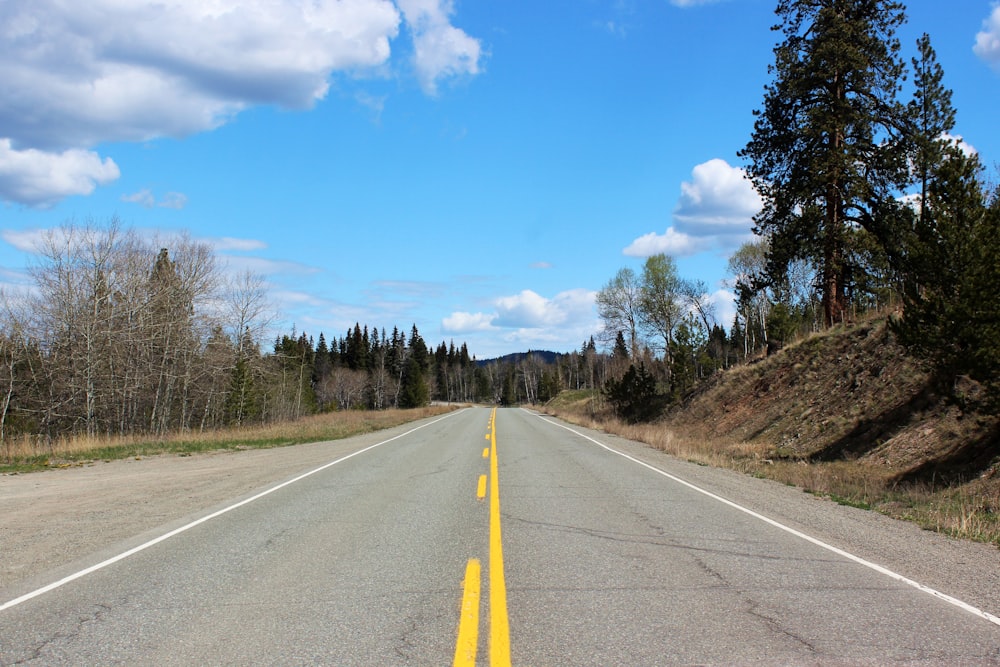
(829, 547)
(177, 531)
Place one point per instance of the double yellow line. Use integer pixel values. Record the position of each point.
(468, 627)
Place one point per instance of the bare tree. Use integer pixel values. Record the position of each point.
(246, 310)
(618, 306)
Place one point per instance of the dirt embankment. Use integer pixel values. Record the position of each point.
(848, 394)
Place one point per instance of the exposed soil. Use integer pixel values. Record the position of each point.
(850, 394)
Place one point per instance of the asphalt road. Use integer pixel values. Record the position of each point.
(398, 555)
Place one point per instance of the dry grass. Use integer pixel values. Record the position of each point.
(32, 453)
(966, 511)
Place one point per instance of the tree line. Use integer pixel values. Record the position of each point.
(117, 335)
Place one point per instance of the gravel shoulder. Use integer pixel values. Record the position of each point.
(52, 518)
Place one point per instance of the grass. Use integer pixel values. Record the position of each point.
(970, 511)
(33, 454)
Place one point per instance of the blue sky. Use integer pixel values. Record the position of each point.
(477, 168)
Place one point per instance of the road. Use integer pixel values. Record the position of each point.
(591, 550)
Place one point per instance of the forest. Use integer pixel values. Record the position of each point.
(118, 336)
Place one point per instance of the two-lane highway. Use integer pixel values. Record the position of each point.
(494, 537)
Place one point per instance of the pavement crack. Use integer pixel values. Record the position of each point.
(753, 609)
(39, 651)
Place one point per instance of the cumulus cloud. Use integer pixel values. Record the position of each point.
(461, 323)
(40, 178)
(76, 75)
(111, 71)
(723, 304)
(962, 144)
(717, 200)
(987, 44)
(439, 49)
(715, 208)
(527, 310)
(671, 242)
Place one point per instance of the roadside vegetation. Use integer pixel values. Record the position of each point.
(845, 414)
(27, 454)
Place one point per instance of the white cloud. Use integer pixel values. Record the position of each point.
(723, 302)
(717, 200)
(962, 144)
(715, 208)
(528, 310)
(462, 323)
(143, 197)
(988, 39)
(78, 74)
(106, 70)
(40, 178)
(671, 242)
(440, 49)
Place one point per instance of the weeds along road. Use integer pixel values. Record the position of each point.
(591, 550)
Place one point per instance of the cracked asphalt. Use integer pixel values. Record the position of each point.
(607, 562)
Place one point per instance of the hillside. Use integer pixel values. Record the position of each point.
(844, 414)
(848, 394)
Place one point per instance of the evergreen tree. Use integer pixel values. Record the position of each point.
(823, 154)
(243, 402)
(634, 397)
(931, 116)
(321, 365)
(620, 350)
(951, 313)
(418, 350)
(413, 392)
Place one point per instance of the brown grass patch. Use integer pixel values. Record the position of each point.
(32, 453)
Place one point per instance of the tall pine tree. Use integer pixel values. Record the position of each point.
(822, 154)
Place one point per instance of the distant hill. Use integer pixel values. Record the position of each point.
(545, 356)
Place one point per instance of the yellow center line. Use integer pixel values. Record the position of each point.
(499, 626)
(468, 625)
(486, 453)
(481, 487)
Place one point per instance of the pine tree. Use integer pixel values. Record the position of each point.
(951, 313)
(413, 392)
(931, 116)
(822, 153)
(620, 350)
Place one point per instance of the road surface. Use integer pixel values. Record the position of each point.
(590, 550)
